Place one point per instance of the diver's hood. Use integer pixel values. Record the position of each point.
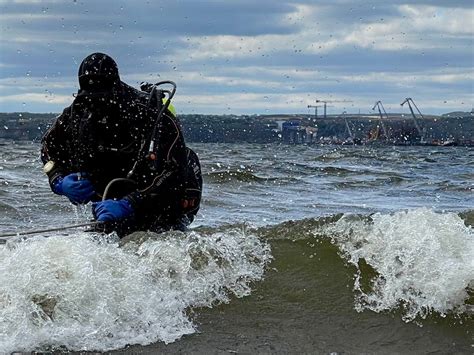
(98, 72)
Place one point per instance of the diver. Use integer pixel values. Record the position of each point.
(123, 149)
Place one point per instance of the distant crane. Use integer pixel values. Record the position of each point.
(325, 102)
(381, 109)
(349, 130)
(315, 109)
(410, 102)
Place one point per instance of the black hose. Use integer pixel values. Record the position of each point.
(113, 181)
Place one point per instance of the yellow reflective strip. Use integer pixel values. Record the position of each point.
(170, 107)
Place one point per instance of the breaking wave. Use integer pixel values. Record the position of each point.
(418, 260)
(81, 292)
(78, 292)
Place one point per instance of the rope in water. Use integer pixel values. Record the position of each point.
(90, 224)
(37, 231)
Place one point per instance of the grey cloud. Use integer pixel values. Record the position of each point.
(173, 17)
(148, 40)
(383, 3)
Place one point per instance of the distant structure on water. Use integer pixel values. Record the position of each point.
(294, 132)
(391, 129)
(454, 128)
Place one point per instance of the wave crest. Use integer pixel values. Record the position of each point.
(75, 292)
(423, 260)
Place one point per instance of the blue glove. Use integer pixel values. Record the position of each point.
(77, 189)
(111, 210)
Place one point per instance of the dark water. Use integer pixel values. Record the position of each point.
(297, 249)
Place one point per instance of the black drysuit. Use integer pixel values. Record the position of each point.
(102, 135)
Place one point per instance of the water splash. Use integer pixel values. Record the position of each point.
(423, 260)
(79, 293)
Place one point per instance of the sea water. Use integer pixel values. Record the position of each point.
(295, 249)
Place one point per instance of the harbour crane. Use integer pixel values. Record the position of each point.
(349, 130)
(325, 102)
(410, 102)
(382, 112)
(352, 139)
(315, 109)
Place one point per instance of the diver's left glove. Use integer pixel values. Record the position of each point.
(112, 210)
(76, 187)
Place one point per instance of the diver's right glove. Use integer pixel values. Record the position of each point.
(112, 210)
(77, 189)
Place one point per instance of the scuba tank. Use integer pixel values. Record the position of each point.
(159, 100)
(192, 192)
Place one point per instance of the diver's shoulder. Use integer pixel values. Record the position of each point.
(134, 93)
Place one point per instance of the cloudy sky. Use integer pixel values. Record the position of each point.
(245, 56)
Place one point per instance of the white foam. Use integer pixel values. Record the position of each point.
(105, 297)
(424, 260)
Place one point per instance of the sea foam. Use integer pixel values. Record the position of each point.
(79, 293)
(423, 260)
